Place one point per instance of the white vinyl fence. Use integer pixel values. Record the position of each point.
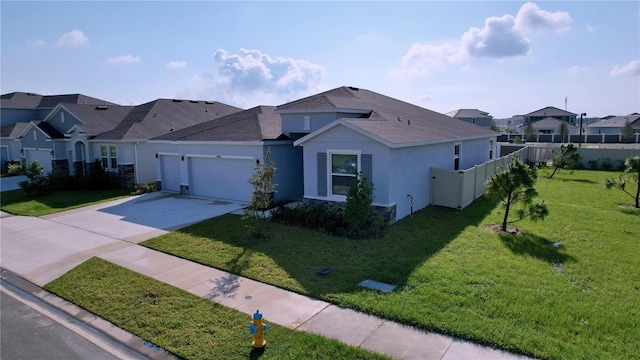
(459, 188)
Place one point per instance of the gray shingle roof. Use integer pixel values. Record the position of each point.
(617, 122)
(468, 113)
(391, 120)
(255, 124)
(158, 117)
(550, 111)
(13, 130)
(35, 101)
(49, 130)
(98, 118)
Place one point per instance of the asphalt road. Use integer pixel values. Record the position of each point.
(29, 334)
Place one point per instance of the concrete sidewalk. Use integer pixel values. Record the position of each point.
(42, 249)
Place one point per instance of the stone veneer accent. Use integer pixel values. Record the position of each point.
(184, 190)
(60, 165)
(79, 168)
(127, 175)
(388, 213)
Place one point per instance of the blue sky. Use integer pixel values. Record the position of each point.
(503, 57)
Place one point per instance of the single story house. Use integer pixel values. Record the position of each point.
(473, 116)
(614, 124)
(217, 158)
(349, 132)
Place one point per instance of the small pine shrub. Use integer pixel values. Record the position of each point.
(14, 168)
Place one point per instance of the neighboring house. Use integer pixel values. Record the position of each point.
(349, 132)
(551, 112)
(72, 133)
(614, 124)
(18, 109)
(216, 158)
(124, 149)
(473, 116)
(549, 126)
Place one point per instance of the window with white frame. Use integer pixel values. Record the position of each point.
(456, 157)
(109, 157)
(344, 172)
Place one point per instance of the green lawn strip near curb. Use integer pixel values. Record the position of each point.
(456, 276)
(18, 203)
(182, 323)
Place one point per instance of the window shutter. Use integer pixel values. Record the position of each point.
(322, 174)
(366, 167)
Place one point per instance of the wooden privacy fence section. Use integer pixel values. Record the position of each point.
(459, 188)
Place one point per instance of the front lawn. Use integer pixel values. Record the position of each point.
(18, 203)
(456, 276)
(185, 324)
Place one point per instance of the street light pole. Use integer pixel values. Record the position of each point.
(580, 135)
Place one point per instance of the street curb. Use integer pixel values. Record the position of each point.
(129, 341)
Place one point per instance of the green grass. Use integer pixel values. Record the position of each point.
(455, 276)
(185, 324)
(18, 203)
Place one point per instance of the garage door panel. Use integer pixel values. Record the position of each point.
(170, 172)
(220, 178)
(43, 157)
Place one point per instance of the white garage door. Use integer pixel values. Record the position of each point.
(170, 172)
(43, 157)
(220, 178)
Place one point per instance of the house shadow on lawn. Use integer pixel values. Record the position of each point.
(536, 246)
(299, 253)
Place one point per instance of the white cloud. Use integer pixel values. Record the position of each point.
(590, 28)
(36, 43)
(254, 71)
(422, 59)
(72, 39)
(499, 39)
(575, 70)
(631, 69)
(467, 69)
(176, 64)
(531, 18)
(124, 59)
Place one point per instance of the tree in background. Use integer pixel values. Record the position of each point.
(564, 158)
(36, 183)
(627, 132)
(563, 130)
(529, 132)
(514, 185)
(631, 175)
(263, 190)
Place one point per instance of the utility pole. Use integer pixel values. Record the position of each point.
(580, 135)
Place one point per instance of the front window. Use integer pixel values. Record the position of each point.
(109, 157)
(490, 149)
(344, 172)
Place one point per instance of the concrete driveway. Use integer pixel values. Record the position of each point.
(11, 182)
(42, 249)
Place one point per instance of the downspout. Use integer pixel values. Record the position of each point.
(135, 160)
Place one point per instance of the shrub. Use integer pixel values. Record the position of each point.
(146, 188)
(14, 168)
(59, 179)
(593, 164)
(607, 164)
(98, 178)
(36, 183)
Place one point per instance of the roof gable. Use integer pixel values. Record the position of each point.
(468, 113)
(550, 111)
(391, 120)
(13, 130)
(255, 124)
(162, 116)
